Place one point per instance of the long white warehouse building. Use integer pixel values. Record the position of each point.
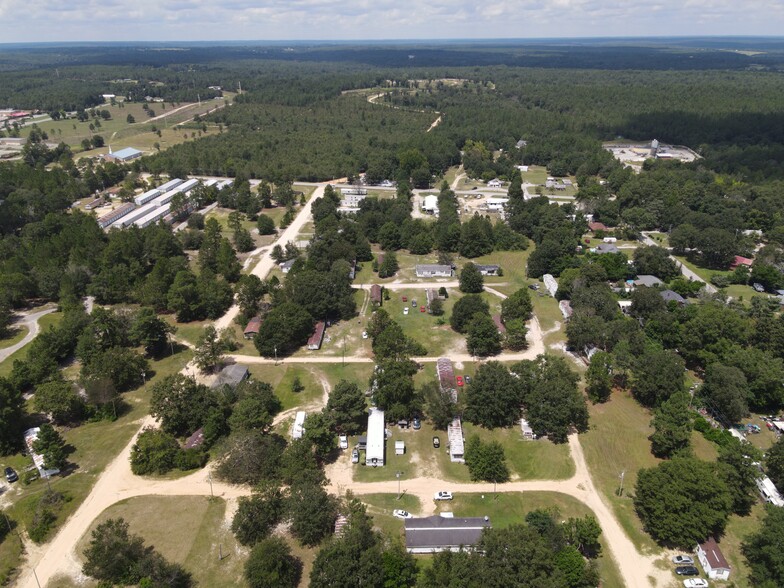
(153, 216)
(143, 199)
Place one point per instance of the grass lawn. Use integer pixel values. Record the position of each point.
(618, 442)
(738, 528)
(740, 292)
(44, 323)
(344, 338)
(189, 530)
(536, 174)
(95, 445)
(423, 327)
(513, 264)
(702, 448)
(662, 239)
(380, 507)
(189, 332)
(510, 508)
(15, 335)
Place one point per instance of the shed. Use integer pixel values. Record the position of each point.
(317, 337)
(712, 560)
(286, 265)
(298, 429)
(400, 447)
(439, 533)
(376, 294)
(374, 453)
(252, 328)
(232, 375)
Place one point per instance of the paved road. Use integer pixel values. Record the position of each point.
(29, 320)
(687, 273)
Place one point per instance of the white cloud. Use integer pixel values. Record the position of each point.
(111, 20)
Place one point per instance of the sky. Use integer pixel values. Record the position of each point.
(260, 20)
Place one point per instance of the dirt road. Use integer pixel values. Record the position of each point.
(29, 320)
(266, 263)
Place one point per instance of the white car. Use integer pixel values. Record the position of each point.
(443, 495)
(402, 514)
(364, 335)
(683, 560)
(343, 441)
(695, 583)
(405, 310)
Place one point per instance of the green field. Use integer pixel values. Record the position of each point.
(189, 530)
(618, 442)
(118, 133)
(15, 335)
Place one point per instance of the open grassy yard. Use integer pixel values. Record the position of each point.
(189, 530)
(15, 334)
(380, 507)
(222, 216)
(94, 446)
(740, 292)
(738, 528)
(513, 265)
(618, 442)
(536, 174)
(510, 508)
(44, 323)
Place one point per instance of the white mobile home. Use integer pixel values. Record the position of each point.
(456, 443)
(298, 430)
(769, 492)
(496, 204)
(374, 453)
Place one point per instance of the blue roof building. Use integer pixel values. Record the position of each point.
(126, 154)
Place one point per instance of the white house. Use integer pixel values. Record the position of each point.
(298, 430)
(433, 271)
(374, 453)
(495, 183)
(712, 560)
(496, 204)
(430, 205)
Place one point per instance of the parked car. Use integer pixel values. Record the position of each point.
(364, 335)
(459, 380)
(355, 456)
(417, 424)
(402, 514)
(343, 441)
(405, 310)
(404, 298)
(533, 286)
(11, 475)
(467, 379)
(758, 287)
(413, 303)
(436, 442)
(443, 495)
(687, 571)
(695, 583)
(422, 309)
(682, 560)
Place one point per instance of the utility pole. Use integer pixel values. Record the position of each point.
(276, 356)
(36, 578)
(397, 475)
(144, 379)
(620, 490)
(209, 479)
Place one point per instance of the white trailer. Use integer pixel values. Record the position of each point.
(298, 430)
(374, 454)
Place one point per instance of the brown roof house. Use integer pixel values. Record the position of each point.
(375, 294)
(252, 329)
(712, 560)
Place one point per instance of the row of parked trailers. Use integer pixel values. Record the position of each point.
(153, 205)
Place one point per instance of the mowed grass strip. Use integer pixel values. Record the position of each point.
(617, 443)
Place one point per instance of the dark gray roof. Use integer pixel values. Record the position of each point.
(607, 248)
(432, 267)
(669, 296)
(231, 375)
(647, 280)
(442, 532)
(490, 267)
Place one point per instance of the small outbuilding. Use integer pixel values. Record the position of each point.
(713, 560)
(400, 447)
(252, 328)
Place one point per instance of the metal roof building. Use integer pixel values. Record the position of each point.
(439, 533)
(232, 375)
(142, 199)
(374, 454)
(126, 154)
